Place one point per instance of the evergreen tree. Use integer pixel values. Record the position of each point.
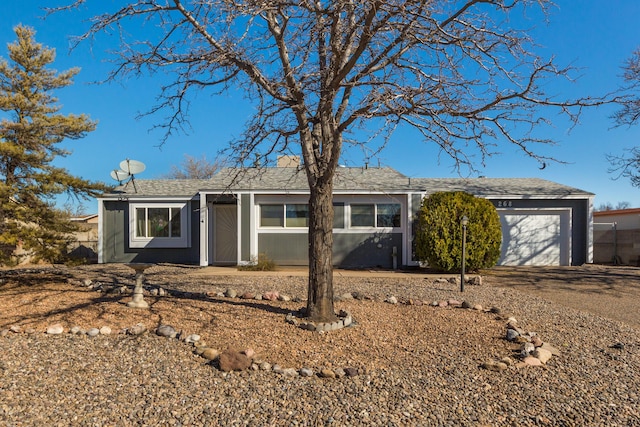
(439, 233)
(31, 129)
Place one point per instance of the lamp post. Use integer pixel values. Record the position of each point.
(464, 221)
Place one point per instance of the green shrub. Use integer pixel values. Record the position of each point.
(262, 263)
(439, 232)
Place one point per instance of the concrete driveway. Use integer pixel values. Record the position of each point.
(608, 291)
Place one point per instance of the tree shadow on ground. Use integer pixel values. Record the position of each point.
(580, 279)
(31, 292)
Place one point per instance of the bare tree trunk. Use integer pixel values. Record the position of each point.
(320, 293)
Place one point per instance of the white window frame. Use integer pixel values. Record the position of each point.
(183, 241)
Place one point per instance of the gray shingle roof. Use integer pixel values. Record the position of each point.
(384, 180)
(487, 187)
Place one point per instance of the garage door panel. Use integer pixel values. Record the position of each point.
(534, 238)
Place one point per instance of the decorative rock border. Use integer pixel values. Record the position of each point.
(344, 320)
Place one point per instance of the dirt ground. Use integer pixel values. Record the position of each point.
(608, 291)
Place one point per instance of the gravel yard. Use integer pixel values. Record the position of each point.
(416, 364)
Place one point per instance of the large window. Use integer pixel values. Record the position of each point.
(159, 225)
(158, 222)
(375, 215)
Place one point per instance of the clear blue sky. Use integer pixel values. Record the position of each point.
(594, 35)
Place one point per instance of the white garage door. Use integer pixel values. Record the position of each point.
(536, 237)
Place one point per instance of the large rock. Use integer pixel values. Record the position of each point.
(306, 372)
(56, 329)
(271, 296)
(327, 373)
(192, 339)
(532, 361)
(493, 365)
(542, 354)
(137, 329)
(166, 331)
(351, 372)
(476, 281)
(512, 334)
(551, 348)
(230, 360)
(527, 348)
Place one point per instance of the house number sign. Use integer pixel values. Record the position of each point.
(505, 203)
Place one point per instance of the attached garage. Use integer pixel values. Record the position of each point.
(536, 237)
(543, 223)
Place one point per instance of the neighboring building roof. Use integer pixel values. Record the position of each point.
(612, 212)
(346, 180)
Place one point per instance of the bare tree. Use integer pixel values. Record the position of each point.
(194, 168)
(318, 71)
(629, 114)
(610, 207)
(628, 165)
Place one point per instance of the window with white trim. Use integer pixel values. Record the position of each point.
(159, 225)
(294, 215)
(380, 215)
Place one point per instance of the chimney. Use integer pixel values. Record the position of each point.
(288, 161)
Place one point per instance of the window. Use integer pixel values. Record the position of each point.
(158, 222)
(272, 215)
(297, 216)
(379, 215)
(363, 216)
(388, 215)
(159, 226)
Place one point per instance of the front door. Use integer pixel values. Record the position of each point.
(224, 238)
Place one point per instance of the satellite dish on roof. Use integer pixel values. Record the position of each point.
(132, 167)
(119, 175)
(128, 169)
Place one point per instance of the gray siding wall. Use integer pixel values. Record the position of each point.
(115, 239)
(579, 221)
(350, 250)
